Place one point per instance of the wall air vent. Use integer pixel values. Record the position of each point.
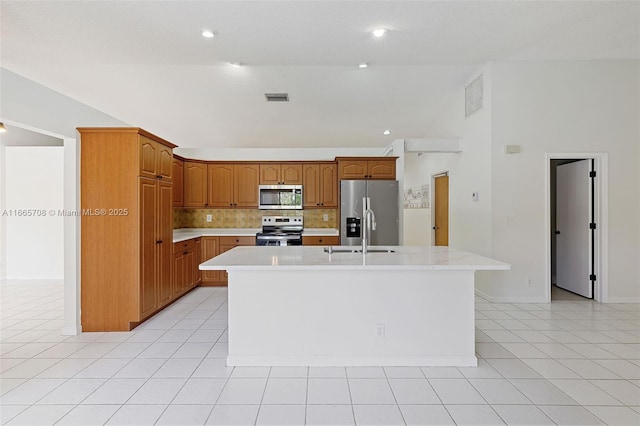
(473, 95)
(277, 97)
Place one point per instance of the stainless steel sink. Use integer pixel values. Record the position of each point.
(331, 250)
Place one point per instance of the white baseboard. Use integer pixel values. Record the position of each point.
(623, 300)
(33, 277)
(71, 331)
(351, 361)
(509, 299)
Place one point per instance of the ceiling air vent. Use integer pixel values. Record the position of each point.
(277, 97)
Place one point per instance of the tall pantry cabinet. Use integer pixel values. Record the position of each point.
(126, 227)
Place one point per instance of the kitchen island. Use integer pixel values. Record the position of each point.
(398, 306)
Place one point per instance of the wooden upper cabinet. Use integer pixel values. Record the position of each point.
(291, 174)
(311, 185)
(281, 174)
(245, 185)
(178, 182)
(220, 183)
(149, 150)
(195, 184)
(320, 187)
(233, 185)
(165, 162)
(155, 159)
(329, 189)
(352, 169)
(381, 169)
(269, 174)
(367, 168)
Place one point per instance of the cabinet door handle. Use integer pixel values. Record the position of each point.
(159, 242)
(185, 252)
(159, 176)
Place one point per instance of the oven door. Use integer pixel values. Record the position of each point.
(265, 239)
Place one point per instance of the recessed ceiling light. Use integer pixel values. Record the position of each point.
(235, 64)
(379, 32)
(386, 132)
(363, 65)
(208, 33)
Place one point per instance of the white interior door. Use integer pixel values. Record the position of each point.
(573, 233)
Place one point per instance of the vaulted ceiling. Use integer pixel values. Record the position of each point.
(146, 63)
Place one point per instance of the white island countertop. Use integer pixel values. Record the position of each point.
(315, 258)
(184, 234)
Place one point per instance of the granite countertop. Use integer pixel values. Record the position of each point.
(184, 234)
(314, 258)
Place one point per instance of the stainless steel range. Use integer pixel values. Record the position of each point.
(280, 231)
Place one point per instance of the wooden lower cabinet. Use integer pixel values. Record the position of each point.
(213, 246)
(179, 274)
(185, 265)
(320, 241)
(210, 248)
(164, 250)
(198, 257)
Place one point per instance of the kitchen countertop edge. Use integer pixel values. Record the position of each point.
(183, 234)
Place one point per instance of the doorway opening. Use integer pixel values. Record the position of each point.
(576, 227)
(440, 184)
(25, 174)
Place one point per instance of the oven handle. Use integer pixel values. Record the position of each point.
(279, 237)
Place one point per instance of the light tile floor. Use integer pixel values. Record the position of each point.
(568, 362)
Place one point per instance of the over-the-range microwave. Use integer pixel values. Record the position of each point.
(280, 197)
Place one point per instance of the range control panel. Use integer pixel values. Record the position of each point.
(281, 220)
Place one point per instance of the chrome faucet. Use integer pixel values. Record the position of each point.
(369, 218)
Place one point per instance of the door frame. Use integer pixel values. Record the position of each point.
(432, 203)
(601, 218)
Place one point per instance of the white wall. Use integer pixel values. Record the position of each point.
(563, 107)
(35, 244)
(27, 102)
(3, 218)
(545, 107)
(470, 221)
(419, 170)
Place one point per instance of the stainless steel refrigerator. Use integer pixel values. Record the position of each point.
(383, 196)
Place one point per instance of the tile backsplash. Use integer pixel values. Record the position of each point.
(248, 218)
